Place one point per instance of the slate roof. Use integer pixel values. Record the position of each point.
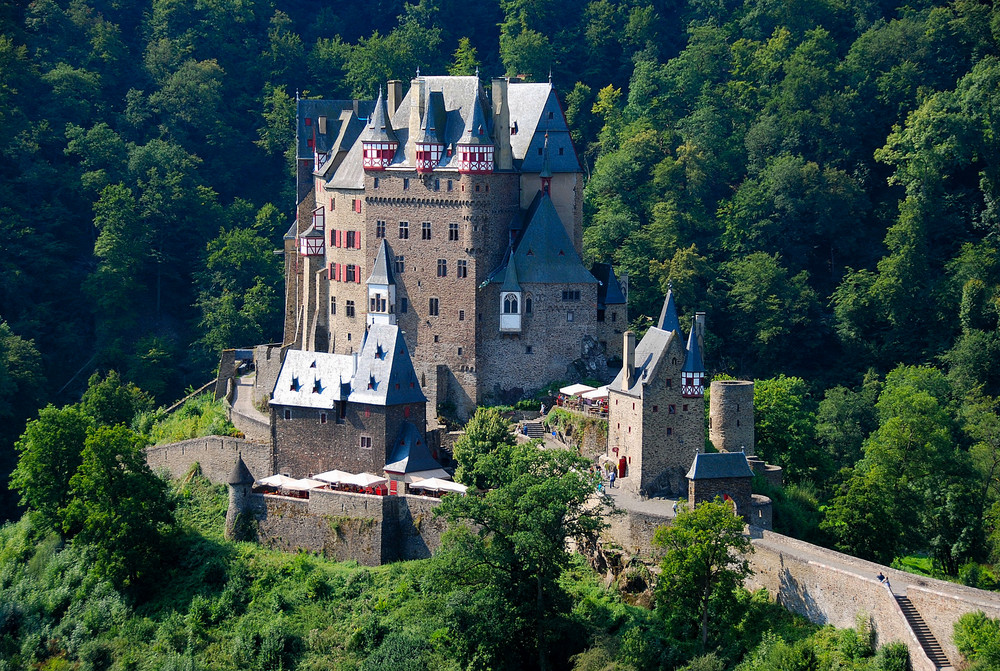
(350, 174)
(312, 110)
(382, 268)
(609, 292)
(648, 354)
(385, 373)
(544, 253)
(693, 362)
(410, 452)
(510, 282)
(719, 465)
(312, 379)
(240, 475)
(530, 106)
(668, 315)
(378, 128)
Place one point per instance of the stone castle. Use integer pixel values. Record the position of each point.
(457, 215)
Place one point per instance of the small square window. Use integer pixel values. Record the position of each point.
(459, 351)
(404, 305)
(406, 183)
(453, 231)
(437, 338)
(569, 316)
(425, 230)
(288, 414)
(461, 315)
(400, 264)
(685, 407)
(527, 349)
(462, 269)
(404, 230)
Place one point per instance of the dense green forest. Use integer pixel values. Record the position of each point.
(821, 177)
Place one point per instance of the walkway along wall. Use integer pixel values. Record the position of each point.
(215, 454)
(344, 526)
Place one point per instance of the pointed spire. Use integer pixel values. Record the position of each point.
(693, 362)
(668, 315)
(382, 269)
(510, 282)
(379, 128)
(240, 475)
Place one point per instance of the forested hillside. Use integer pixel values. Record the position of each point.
(821, 177)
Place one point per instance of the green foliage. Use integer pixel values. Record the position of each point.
(484, 451)
(704, 562)
(199, 416)
(977, 637)
(784, 428)
(110, 400)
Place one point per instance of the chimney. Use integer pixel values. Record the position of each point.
(395, 95)
(628, 350)
(699, 324)
(417, 102)
(501, 124)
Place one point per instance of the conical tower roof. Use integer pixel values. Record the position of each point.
(240, 475)
(693, 362)
(476, 131)
(510, 282)
(382, 269)
(668, 315)
(379, 128)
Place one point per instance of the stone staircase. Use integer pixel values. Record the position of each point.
(534, 429)
(923, 633)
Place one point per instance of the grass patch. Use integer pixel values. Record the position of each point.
(199, 416)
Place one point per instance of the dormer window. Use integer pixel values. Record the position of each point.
(317, 387)
(295, 384)
(379, 352)
(372, 384)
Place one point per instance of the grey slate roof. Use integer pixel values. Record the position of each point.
(378, 128)
(312, 379)
(544, 253)
(382, 269)
(312, 110)
(350, 173)
(410, 452)
(291, 232)
(668, 315)
(477, 130)
(719, 465)
(693, 362)
(648, 354)
(530, 106)
(385, 373)
(610, 291)
(240, 475)
(510, 282)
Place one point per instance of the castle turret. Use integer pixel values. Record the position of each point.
(378, 140)
(510, 300)
(382, 289)
(475, 149)
(240, 483)
(668, 315)
(429, 147)
(693, 372)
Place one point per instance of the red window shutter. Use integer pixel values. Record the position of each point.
(336, 271)
(357, 239)
(358, 275)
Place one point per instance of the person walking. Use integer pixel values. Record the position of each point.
(612, 477)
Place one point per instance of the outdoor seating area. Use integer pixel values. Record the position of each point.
(359, 483)
(584, 399)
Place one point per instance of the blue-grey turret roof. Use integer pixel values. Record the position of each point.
(379, 128)
(410, 452)
(476, 131)
(668, 315)
(382, 269)
(710, 466)
(693, 362)
(510, 282)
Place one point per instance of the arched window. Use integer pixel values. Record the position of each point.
(510, 304)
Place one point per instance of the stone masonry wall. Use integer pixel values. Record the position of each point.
(941, 609)
(738, 489)
(731, 424)
(215, 454)
(347, 326)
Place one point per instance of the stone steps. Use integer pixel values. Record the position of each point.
(534, 429)
(927, 640)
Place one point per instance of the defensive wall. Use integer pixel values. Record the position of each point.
(215, 454)
(344, 526)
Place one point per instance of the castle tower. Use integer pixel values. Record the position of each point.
(382, 289)
(240, 487)
(378, 141)
(730, 424)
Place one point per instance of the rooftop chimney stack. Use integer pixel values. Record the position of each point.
(417, 104)
(501, 125)
(629, 351)
(394, 95)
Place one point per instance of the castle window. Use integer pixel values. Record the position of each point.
(737, 407)
(322, 418)
(614, 316)
(333, 305)
(333, 203)
(400, 265)
(453, 231)
(674, 361)
(357, 205)
(669, 383)
(404, 230)
(375, 183)
(352, 239)
(404, 305)
(366, 442)
(350, 273)
(368, 412)
(527, 349)
(425, 230)
(288, 414)
(551, 114)
(685, 408)
(380, 229)
(527, 305)
(442, 268)
(600, 315)
(459, 351)
(309, 121)
(406, 412)
(377, 303)
(560, 151)
(510, 304)
(656, 408)
(437, 338)
(539, 151)
(737, 422)
(477, 188)
(406, 183)
(672, 409)
(295, 384)
(341, 411)
(670, 431)
(569, 316)
(571, 295)
(437, 184)
(450, 186)
(461, 315)
(433, 307)
(349, 311)
(317, 387)
(462, 269)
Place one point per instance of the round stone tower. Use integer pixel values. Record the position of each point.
(730, 419)
(240, 488)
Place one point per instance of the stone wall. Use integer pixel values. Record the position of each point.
(267, 362)
(731, 416)
(344, 526)
(737, 489)
(942, 605)
(215, 454)
(633, 531)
